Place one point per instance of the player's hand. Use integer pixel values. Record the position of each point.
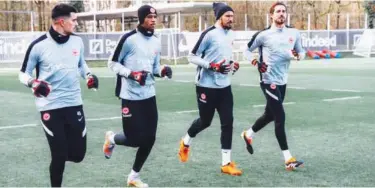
(295, 55)
(220, 67)
(166, 71)
(236, 66)
(40, 88)
(262, 67)
(294, 52)
(92, 82)
(139, 76)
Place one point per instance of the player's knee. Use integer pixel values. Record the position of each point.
(134, 141)
(227, 127)
(59, 155)
(148, 141)
(77, 158)
(268, 116)
(204, 122)
(280, 117)
(226, 121)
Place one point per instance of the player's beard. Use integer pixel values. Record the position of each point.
(227, 26)
(280, 20)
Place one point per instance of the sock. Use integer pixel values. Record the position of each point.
(249, 133)
(287, 155)
(187, 140)
(225, 156)
(133, 174)
(112, 139)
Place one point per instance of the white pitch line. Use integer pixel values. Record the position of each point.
(296, 87)
(250, 85)
(183, 81)
(263, 105)
(288, 103)
(178, 112)
(345, 90)
(341, 98)
(186, 111)
(259, 105)
(33, 124)
(18, 126)
(303, 88)
(100, 119)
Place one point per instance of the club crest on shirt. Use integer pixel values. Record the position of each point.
(75, 52)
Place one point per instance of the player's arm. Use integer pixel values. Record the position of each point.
(195, 57)
(82, 66)
(255, 42)
(29, 63)
(298, 47)
(39, 87)
(161, 71)
(122, 49)
(91, 80)
(114, 63)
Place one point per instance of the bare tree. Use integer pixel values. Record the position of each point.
(39, 9)
(6, 16)
(255, 13)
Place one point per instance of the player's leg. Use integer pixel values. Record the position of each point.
(76, 133)
(275, 97)
(206, 99)
(291, 163)
(225, 110)
(127, 137)
(147, 139)
(260, 123)
(53, 125)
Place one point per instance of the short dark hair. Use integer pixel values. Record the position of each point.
(272, 9)
(62, 10)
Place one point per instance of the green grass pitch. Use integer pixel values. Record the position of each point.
(330, 125)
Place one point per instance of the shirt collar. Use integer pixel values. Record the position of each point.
(273, 26)
(218, 26)
(61, 39)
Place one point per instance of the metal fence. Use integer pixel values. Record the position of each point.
(175, 44)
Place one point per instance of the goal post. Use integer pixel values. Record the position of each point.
(365, 45)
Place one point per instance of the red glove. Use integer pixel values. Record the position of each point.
(220, 67)
(262, 67)
(166, 71)
(139, 76)
(92, 82)
(40, 88)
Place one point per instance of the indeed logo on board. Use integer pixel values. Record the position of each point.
(317, 41)
(12, 48)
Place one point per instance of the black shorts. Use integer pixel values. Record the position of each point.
(139, 118)
(211, 99)
(65, 130)
(273, 92)
(275, 95)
